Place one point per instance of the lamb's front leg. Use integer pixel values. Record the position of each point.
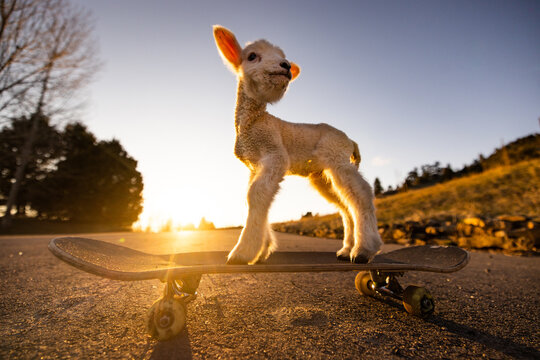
(262, 190)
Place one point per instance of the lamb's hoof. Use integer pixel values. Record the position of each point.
(234, 261)
(359, 259)
(343, 258)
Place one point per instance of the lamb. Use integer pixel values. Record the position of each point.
(272, 148)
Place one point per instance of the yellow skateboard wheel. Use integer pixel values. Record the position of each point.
(166, 318)
(364, 283)
(418, 301)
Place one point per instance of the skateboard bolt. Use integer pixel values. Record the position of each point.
(165, 320)
(427, 304)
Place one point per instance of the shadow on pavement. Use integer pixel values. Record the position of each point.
(178, 348)
(494, 342)
(503, 345)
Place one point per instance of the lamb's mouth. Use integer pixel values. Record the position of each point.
(286, 74)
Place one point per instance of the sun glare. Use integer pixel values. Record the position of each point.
(163, 212)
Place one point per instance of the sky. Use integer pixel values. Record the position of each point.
(412, 82)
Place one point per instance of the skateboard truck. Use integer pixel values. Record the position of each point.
(416, 299)
(186, 285)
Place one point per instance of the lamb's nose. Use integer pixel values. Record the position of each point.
(285, 65)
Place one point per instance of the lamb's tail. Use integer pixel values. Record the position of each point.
(355, 156)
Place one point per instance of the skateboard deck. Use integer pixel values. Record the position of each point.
(122, 263)
(182, 273)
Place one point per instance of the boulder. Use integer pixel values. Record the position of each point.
(464, 229)
(431, 230)
(479, 242)
(398, 234)
(474, 221)
(511, 218)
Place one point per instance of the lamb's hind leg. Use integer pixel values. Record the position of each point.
(323, 185)
(356, 193)
(262, 190)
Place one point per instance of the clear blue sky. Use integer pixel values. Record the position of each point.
(412, 82)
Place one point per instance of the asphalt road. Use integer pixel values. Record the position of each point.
(490, 309)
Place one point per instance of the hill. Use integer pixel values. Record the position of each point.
(503, 200)
(504, 190)
(525, 148)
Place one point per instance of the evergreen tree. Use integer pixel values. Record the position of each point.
(95, 182)
(42, 159)
(377, 187)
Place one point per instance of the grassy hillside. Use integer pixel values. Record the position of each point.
(513, 189)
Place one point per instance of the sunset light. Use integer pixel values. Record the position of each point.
(240, 179)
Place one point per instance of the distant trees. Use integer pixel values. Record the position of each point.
(71, 176)
(206, 225)
(47, 54)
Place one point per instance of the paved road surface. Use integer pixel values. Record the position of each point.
(490, 309)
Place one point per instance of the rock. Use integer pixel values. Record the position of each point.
(478, 231)
(525, 239)
(513, 222)
(464, 229)
(414, 227)
(474, 221)
(321, 232)
(480, 242)
(522, 243)
(496, 225)
(464, 242)
(398, 234)
(443, 242)
(404, 241)
(448, 230)
(385, 234)
(511, 218)
(533, 224)
(518, 233)
(333, 235)
(431, 230)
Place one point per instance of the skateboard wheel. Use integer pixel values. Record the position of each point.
(364, 284)
(166, 318)
(418, 301)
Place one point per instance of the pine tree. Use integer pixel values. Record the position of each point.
(377, 187)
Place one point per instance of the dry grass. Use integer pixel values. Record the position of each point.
(505, 190)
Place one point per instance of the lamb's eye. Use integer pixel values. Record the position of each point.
(252, 56)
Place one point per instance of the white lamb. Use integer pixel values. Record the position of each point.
(272, 148)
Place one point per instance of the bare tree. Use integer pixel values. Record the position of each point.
(47, 55)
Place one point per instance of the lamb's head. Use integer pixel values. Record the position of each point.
(261, 67)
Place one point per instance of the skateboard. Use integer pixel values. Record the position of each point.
(182, 273)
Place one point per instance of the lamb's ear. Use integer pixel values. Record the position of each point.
(228, 47)
(295, 70)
